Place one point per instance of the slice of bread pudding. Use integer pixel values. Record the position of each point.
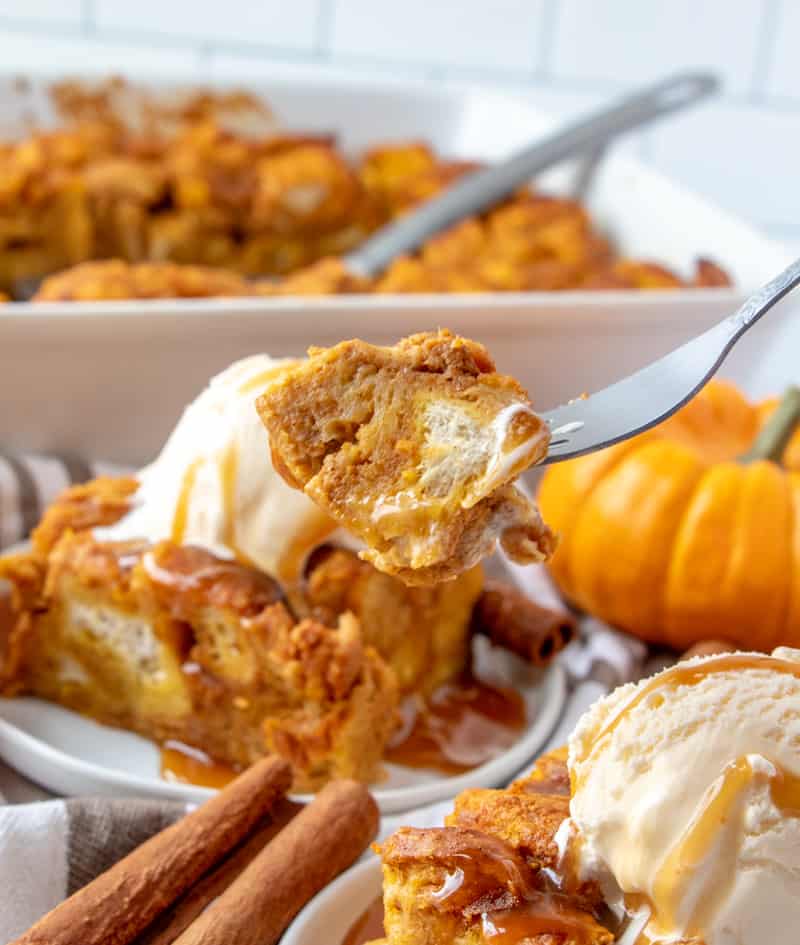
(490, 875)
(176, 643)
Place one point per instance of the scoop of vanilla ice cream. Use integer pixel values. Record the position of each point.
(214, 485)
(686, 799)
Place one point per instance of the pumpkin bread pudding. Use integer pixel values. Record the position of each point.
(488, 875)
(179, 644)
(414, 448)
(625, 833)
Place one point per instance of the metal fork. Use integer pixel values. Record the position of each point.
(649, 396)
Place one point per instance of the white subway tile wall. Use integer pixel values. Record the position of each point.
(276, 24)
(638, 40)
(783, 67)
(43, 11)
(742, 150)
(497, 35)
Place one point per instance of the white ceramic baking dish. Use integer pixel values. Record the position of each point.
(109, 379)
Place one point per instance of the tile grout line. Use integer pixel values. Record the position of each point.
(88, 16)
(323, 29)
(546, 39)
(765, 48)
(514, 80)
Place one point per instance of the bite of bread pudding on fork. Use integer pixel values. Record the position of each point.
(414, 448)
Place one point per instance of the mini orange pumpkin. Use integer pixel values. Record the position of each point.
(690, 531)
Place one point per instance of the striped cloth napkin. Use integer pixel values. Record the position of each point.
(48, 849)
(28, 484)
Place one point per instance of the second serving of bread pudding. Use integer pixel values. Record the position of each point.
(414, 448)
(490, 874)
(672, 819)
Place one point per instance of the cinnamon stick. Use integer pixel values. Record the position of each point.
(322, 841)
(178, 917)
(114, 908)
(512, 620)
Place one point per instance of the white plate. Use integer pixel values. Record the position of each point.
(332, 913)
(70, 754)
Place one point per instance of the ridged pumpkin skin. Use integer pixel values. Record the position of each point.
(667, 536)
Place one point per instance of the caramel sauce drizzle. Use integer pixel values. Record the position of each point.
(187, 765)
(785, 790)
(228, 470)
(720, 819)
(259, 381)
(181, 515)
(545, 914)
(368, 926)
(464, 724)
(542, 913)
(228, 473)
(543, 909)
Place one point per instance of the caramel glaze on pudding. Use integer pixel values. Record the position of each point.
(491, 875)
(368, 926)
(184, 764)
(462, 725)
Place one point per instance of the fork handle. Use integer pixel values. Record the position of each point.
(759, 303)
(477, 191)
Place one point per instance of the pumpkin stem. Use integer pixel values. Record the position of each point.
(773, 439)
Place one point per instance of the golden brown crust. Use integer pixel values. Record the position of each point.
(422, 632)
(498, 876)
(526, 821)
(401, 446)
(213, 182)
(101, 501)
(452, 884)
(550, 775)
(22, 578)
(329, 276)
(114, 279)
